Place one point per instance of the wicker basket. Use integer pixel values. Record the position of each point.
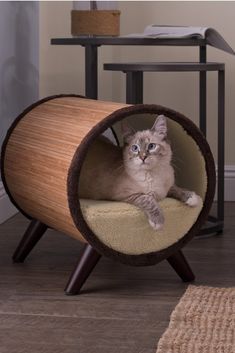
(95, 22)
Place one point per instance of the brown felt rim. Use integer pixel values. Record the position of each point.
(80, 155)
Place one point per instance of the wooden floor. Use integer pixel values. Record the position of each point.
(121, 310)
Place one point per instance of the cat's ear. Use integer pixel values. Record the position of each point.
(160, 126)
(127, 130)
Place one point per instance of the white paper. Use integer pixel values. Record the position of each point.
(212, 37)
(175, 31)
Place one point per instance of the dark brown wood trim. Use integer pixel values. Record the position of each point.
(33, 234)
(179, 263)
(82, 270)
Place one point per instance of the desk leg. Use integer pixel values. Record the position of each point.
(220, 170)
(203, 107)
(91, 76)
(134, 87)
(215, 223)
(202, 93)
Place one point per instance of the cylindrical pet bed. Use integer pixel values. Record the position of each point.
(45, 163)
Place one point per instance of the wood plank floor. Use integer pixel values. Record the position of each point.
(121, 309)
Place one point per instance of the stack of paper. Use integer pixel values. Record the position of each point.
(212, 37)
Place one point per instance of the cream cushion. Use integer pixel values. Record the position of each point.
(125, 228)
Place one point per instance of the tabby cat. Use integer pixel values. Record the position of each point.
(140, 173)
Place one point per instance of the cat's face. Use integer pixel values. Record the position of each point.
(145, 150)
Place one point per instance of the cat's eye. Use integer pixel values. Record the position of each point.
(135, 148)
(152, 147)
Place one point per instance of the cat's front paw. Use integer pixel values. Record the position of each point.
(156, 221)
(193, 200)
(156, 226)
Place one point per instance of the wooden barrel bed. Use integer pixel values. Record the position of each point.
(44, 156)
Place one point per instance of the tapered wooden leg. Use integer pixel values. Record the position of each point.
(86, 264)
(33, 234)
(181, 266)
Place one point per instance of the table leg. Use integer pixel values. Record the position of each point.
(220, 170)
(202, 93)
(91, 76)
(134, 87)
(215, 223)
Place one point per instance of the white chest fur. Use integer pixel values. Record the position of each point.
(158, 182)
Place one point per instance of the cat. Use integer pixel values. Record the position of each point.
(140, 173)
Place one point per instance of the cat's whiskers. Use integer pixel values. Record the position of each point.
(175, 166)
(175, 162)
(118, 168)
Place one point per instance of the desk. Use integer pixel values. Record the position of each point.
(91, 45)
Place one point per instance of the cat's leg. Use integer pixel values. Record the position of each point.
(189, 197)
(148, 204)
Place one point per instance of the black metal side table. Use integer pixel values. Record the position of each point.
(134, 95)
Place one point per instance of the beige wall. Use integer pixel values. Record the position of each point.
(62, 67)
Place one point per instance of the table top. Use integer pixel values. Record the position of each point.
(164, 66)
(107, 40)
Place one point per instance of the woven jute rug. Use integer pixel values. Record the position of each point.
(202, 322)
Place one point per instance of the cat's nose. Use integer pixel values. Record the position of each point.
(143, 157)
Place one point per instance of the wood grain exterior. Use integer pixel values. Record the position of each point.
(41, 148)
